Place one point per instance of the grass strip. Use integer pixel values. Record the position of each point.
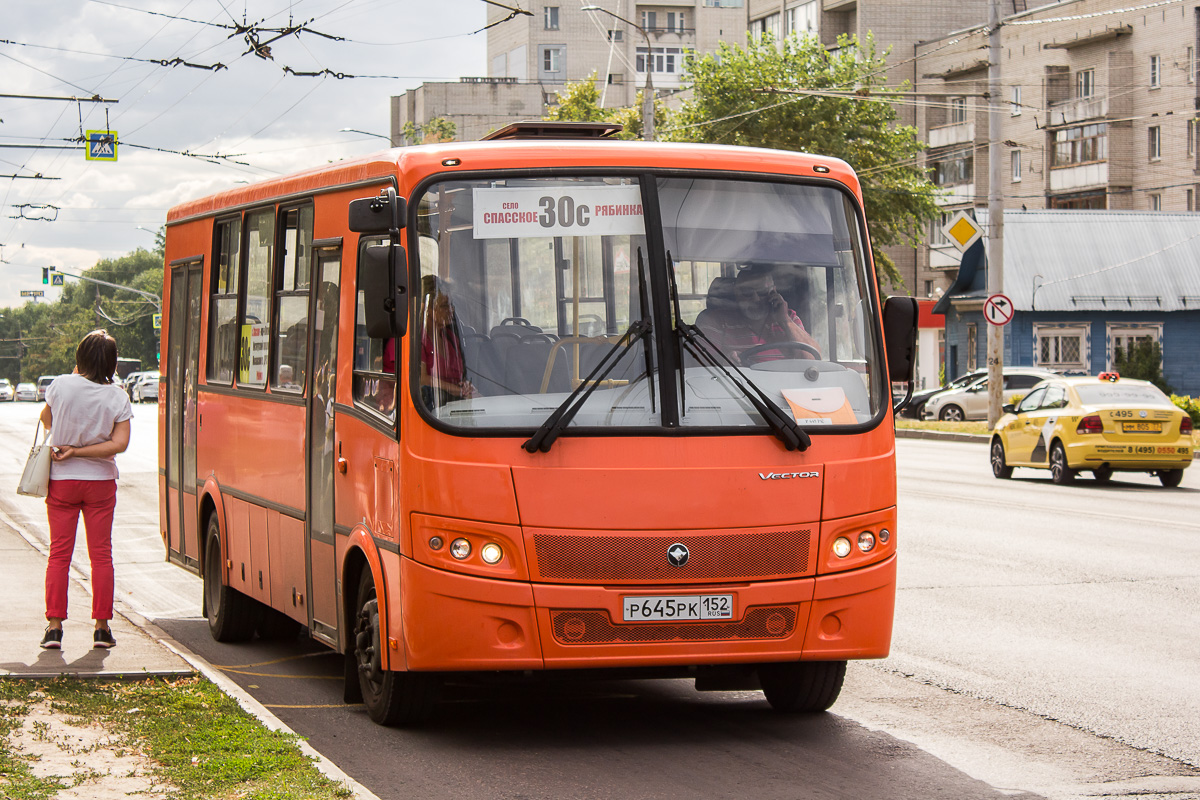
(199, 741)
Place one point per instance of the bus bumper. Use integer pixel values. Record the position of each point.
(454, 622)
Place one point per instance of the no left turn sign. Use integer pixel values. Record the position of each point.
(998, 309)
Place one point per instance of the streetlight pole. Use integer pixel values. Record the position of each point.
(648, 94)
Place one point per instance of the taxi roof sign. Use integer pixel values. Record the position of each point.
(962, 230)
(101, 146)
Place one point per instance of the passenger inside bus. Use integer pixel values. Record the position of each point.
(443, 367)
(757, 314)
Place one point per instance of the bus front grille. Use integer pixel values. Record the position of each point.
(726, 556)
(595, 627)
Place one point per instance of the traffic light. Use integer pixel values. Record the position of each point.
(45, 275)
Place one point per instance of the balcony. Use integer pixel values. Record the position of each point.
(959, 133)
(1073, 111)
(1079, 177)
(956, 194)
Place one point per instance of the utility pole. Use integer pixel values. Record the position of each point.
(995, 232)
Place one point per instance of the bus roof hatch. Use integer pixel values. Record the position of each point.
(539, 129)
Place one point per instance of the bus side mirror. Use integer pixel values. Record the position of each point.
(383, 279)
(382, 214)
(900, 338)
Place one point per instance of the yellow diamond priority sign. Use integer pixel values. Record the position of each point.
(962, 231)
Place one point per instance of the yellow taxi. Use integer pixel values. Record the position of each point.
(1094, 424)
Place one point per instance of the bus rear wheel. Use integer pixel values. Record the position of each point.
(796, 686)
(232, 616)
(391, 698)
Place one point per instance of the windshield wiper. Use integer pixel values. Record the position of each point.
(695, 340)
(544, 437)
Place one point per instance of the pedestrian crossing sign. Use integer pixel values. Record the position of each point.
(101, 146)
(56, 279)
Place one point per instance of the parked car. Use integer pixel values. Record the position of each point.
(971, 401)
(131, 380)
(146, 388)
(1102, 424)
(917, 404)
(6, 389)
(26, 391)
(43, 383)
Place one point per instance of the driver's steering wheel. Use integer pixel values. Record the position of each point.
(750, 352)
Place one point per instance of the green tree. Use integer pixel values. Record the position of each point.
(1141, 359)
(580, 102)
(762, 95)
(435, 130)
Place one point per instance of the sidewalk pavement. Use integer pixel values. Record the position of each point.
(22, 596)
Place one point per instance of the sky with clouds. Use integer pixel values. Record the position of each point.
(252, 118)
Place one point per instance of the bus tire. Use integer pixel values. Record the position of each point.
(232, 616)
(391, 698)
(797, 686)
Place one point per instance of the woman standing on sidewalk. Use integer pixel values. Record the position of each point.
(90, 417)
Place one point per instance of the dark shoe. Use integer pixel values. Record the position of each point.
(103, 638)
(53, 639)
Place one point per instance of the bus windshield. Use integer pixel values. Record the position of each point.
(528, 284)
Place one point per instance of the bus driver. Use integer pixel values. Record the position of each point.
(760, 316)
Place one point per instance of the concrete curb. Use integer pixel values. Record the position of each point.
(944, 436)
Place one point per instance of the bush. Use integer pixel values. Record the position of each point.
(1142, 359)
(1190, 405)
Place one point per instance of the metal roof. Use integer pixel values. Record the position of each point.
(1101, 260)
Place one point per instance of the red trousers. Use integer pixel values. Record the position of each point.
(64, 501)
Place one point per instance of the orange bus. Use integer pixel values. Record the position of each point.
(548, 401)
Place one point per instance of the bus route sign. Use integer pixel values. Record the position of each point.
(530, 213)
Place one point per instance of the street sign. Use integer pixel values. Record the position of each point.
(32, 293)
(101, 146)
(156, 319)
(56, 279)
(998, 309)
(962, 231)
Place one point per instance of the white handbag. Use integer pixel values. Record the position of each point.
(35, 480)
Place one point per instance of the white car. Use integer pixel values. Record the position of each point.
(26, 391)
(146, 388)
(6, 390)
(971, 401)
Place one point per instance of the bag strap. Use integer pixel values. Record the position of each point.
(45, 435)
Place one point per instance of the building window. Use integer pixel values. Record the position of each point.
(616, 78)
(958, 110)
(972, 347)
(550, 17)
(1191, 137)
(664, 59)
(1156, 202)
(1191, 199)
(954, 168)
(1060, 347)
(1154, 142)
(1085, 83)
(1079, 200)
(1016, 166)
(551, 59)
(1124, 337)
(1191, 65)
(616, 36)
(675, 21)
(1016, 101)
(1080, 145)
(649, 20)
(723, 3)
(768, 24)
(802, 19)
(1155, 72)
(929, 288)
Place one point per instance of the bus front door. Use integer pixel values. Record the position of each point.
(319, 538)
(182, 364)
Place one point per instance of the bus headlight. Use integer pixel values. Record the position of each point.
(866, 541)
(841, 547)
(491, 553)
(460, 549)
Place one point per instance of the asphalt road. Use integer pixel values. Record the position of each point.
(1045, 646)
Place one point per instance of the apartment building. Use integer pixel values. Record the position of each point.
(1099, 113)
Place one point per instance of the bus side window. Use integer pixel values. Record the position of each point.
(291, 298)
(223, 290)
(374, 361)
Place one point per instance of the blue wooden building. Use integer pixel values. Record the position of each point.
(1084, 283)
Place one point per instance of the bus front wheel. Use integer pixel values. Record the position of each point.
(391, 698)
(795, 686)
(232, 616)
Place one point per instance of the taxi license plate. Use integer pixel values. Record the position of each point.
(675, 608)
(1141, 427)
